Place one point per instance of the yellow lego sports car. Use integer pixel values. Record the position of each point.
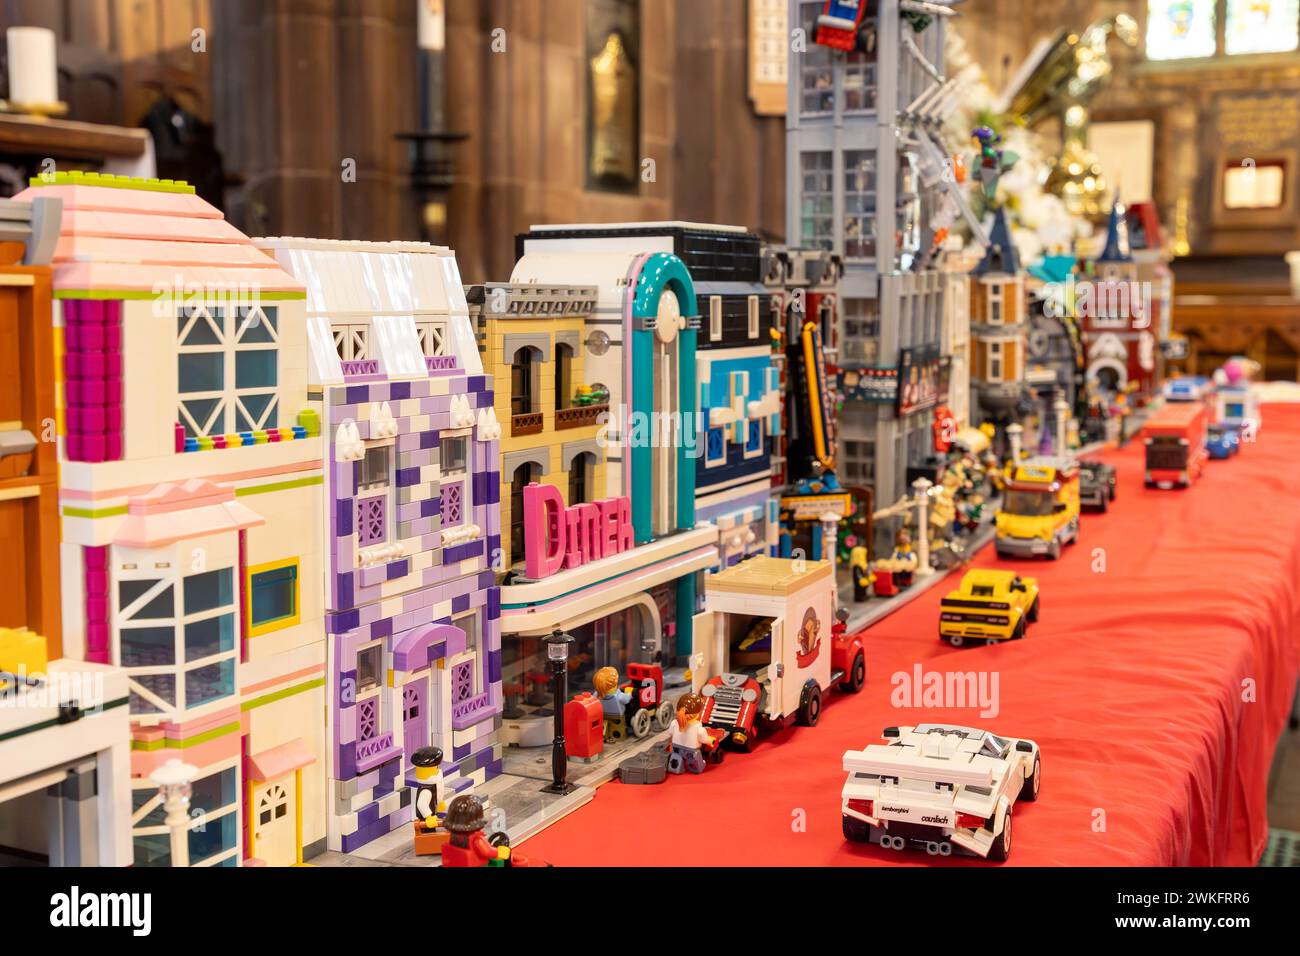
(989, 606)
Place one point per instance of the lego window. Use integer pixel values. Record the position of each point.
(376, 468)
(580, 478)
(994, 312)
(214, 795)
(995, 362)
(372, 520)
(1261, 26)
(715, 318)
(715, 447)
(754, 438)
(753, 316)
(433, 338)
(1180, 29)
(177, 644)
(454, 454)
(816, 65)
(817, 199)
(370, 667)
(563, 376)
(859, 84)
(227, 370)
(352, 342)
(524, 385)
(859, 204)
(453, 504)
(273, 595)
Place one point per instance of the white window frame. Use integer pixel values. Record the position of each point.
(433, 338)
(753, 316)
(386, 492)
(995, 306)
(715, 318)
(229, 397)
(164, 571)
(378, 691)
(470, 654)
(351, 342)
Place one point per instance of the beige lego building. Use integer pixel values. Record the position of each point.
(533, 339)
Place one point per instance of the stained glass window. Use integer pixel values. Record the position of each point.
(1178, 29)
(1261, 26)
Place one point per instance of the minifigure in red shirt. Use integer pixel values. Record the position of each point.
(468, 846)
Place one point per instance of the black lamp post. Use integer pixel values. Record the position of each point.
(557, 652)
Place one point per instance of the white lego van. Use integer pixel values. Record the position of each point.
(764, 649)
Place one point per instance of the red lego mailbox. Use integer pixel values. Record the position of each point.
(584, 726)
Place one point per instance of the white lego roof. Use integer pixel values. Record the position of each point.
(392, 284)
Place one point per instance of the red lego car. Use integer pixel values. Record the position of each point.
(839, 23)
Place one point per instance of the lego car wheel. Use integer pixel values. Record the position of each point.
(1032, 616)
(857, 676)
(1055, 552)
(1033, 782)
(1019, 631)
(1104, 505)
(857, 831)
(664, 715)
(717, 754)
(641, 722)
(810, 706)
(1001, 847)
(956, 640)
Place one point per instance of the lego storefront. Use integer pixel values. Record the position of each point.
(622, 603)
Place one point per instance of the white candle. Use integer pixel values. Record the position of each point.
(431, 25)
(33, 66)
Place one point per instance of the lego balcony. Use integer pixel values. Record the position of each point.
(528, 423)
(579, 416)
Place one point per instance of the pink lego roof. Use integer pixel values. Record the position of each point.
(128, 241)
(177, 512)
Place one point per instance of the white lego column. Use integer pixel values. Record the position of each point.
(1062, 415)
(922, 488)
(830, 536)
(173, 780)
(1014, 431)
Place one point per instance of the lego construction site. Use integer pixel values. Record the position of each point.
(738, 435)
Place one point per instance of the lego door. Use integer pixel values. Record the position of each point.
(415, 715)
(274, 823)
(780, 668)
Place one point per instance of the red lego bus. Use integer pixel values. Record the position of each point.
(1175, 444)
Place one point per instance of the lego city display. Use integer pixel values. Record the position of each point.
(987, 607)
(939, 787)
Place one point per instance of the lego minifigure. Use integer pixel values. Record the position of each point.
(690, 739)
(427, 762)
(863, 578)
(468, 846)
(993, 162)
(429, 835)
(613, 702)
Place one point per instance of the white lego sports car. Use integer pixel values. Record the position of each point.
(937, 786)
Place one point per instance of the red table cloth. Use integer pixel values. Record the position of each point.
(1157, 681)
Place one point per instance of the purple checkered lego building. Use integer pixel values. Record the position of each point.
(412, 494)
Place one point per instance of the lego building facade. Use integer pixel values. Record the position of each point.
(854, 187)
(619, 573)
(411, 523)
(189, 497)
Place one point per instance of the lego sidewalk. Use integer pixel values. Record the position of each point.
(1156, 685)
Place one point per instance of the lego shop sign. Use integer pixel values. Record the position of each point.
(562, 538)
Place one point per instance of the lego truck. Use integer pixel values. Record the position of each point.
(1040, 509)
(1175, 440)
(768, 648)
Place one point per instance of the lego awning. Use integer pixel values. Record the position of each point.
(178, 512)
(280, 760)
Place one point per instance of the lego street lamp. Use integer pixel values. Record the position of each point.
(1014, 431)
(557, 652)
(830, 522)
(1062, 413)
(173, 782)
(922, 488)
